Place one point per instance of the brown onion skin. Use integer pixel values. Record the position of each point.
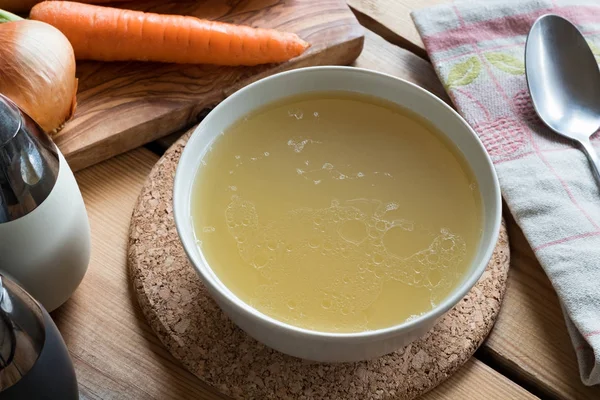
(37, 72)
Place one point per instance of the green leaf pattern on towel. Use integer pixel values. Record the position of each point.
(464, 72)
(506, 62)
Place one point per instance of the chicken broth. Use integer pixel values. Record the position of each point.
(337, 212)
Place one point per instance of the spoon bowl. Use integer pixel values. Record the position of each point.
(564, 81)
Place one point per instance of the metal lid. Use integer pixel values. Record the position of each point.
(29, 163)
(22, 333)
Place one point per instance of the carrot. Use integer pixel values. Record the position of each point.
(110, 34)
(21, 6)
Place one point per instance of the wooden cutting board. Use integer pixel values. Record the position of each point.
(127, 104)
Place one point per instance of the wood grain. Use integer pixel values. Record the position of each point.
(124, 105)
(380, 55)
(466, 383)
(391, 19)
(116, 354)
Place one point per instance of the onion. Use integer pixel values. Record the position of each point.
(37, 70)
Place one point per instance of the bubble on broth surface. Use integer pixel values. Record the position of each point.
(298, 143)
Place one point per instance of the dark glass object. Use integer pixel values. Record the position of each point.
(34, 360)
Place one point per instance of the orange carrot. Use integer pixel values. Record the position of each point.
(20, 6)
(111, 34)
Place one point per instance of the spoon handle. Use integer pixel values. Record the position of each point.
(590, 152)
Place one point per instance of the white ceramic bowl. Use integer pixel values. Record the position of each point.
(319, 346)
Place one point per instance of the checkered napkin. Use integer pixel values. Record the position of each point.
(477, 50)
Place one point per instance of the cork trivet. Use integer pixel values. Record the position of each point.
(196, 332)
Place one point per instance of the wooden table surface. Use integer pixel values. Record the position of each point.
(116, 355)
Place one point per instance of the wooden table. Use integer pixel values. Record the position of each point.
(116, 355)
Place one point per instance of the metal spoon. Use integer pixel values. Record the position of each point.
(564, 82)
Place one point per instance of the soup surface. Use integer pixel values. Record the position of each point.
(336, 212)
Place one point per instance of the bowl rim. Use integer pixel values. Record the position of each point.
(233, 301)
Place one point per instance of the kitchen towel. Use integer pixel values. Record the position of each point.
(477, 50)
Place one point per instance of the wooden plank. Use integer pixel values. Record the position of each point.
(117, 356)
(466, 384)
(530, 340)
(391, 19)
(124, 105)
(379, 55)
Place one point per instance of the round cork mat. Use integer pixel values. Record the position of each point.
(193, 328)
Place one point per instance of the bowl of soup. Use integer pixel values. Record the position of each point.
(336, 213)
